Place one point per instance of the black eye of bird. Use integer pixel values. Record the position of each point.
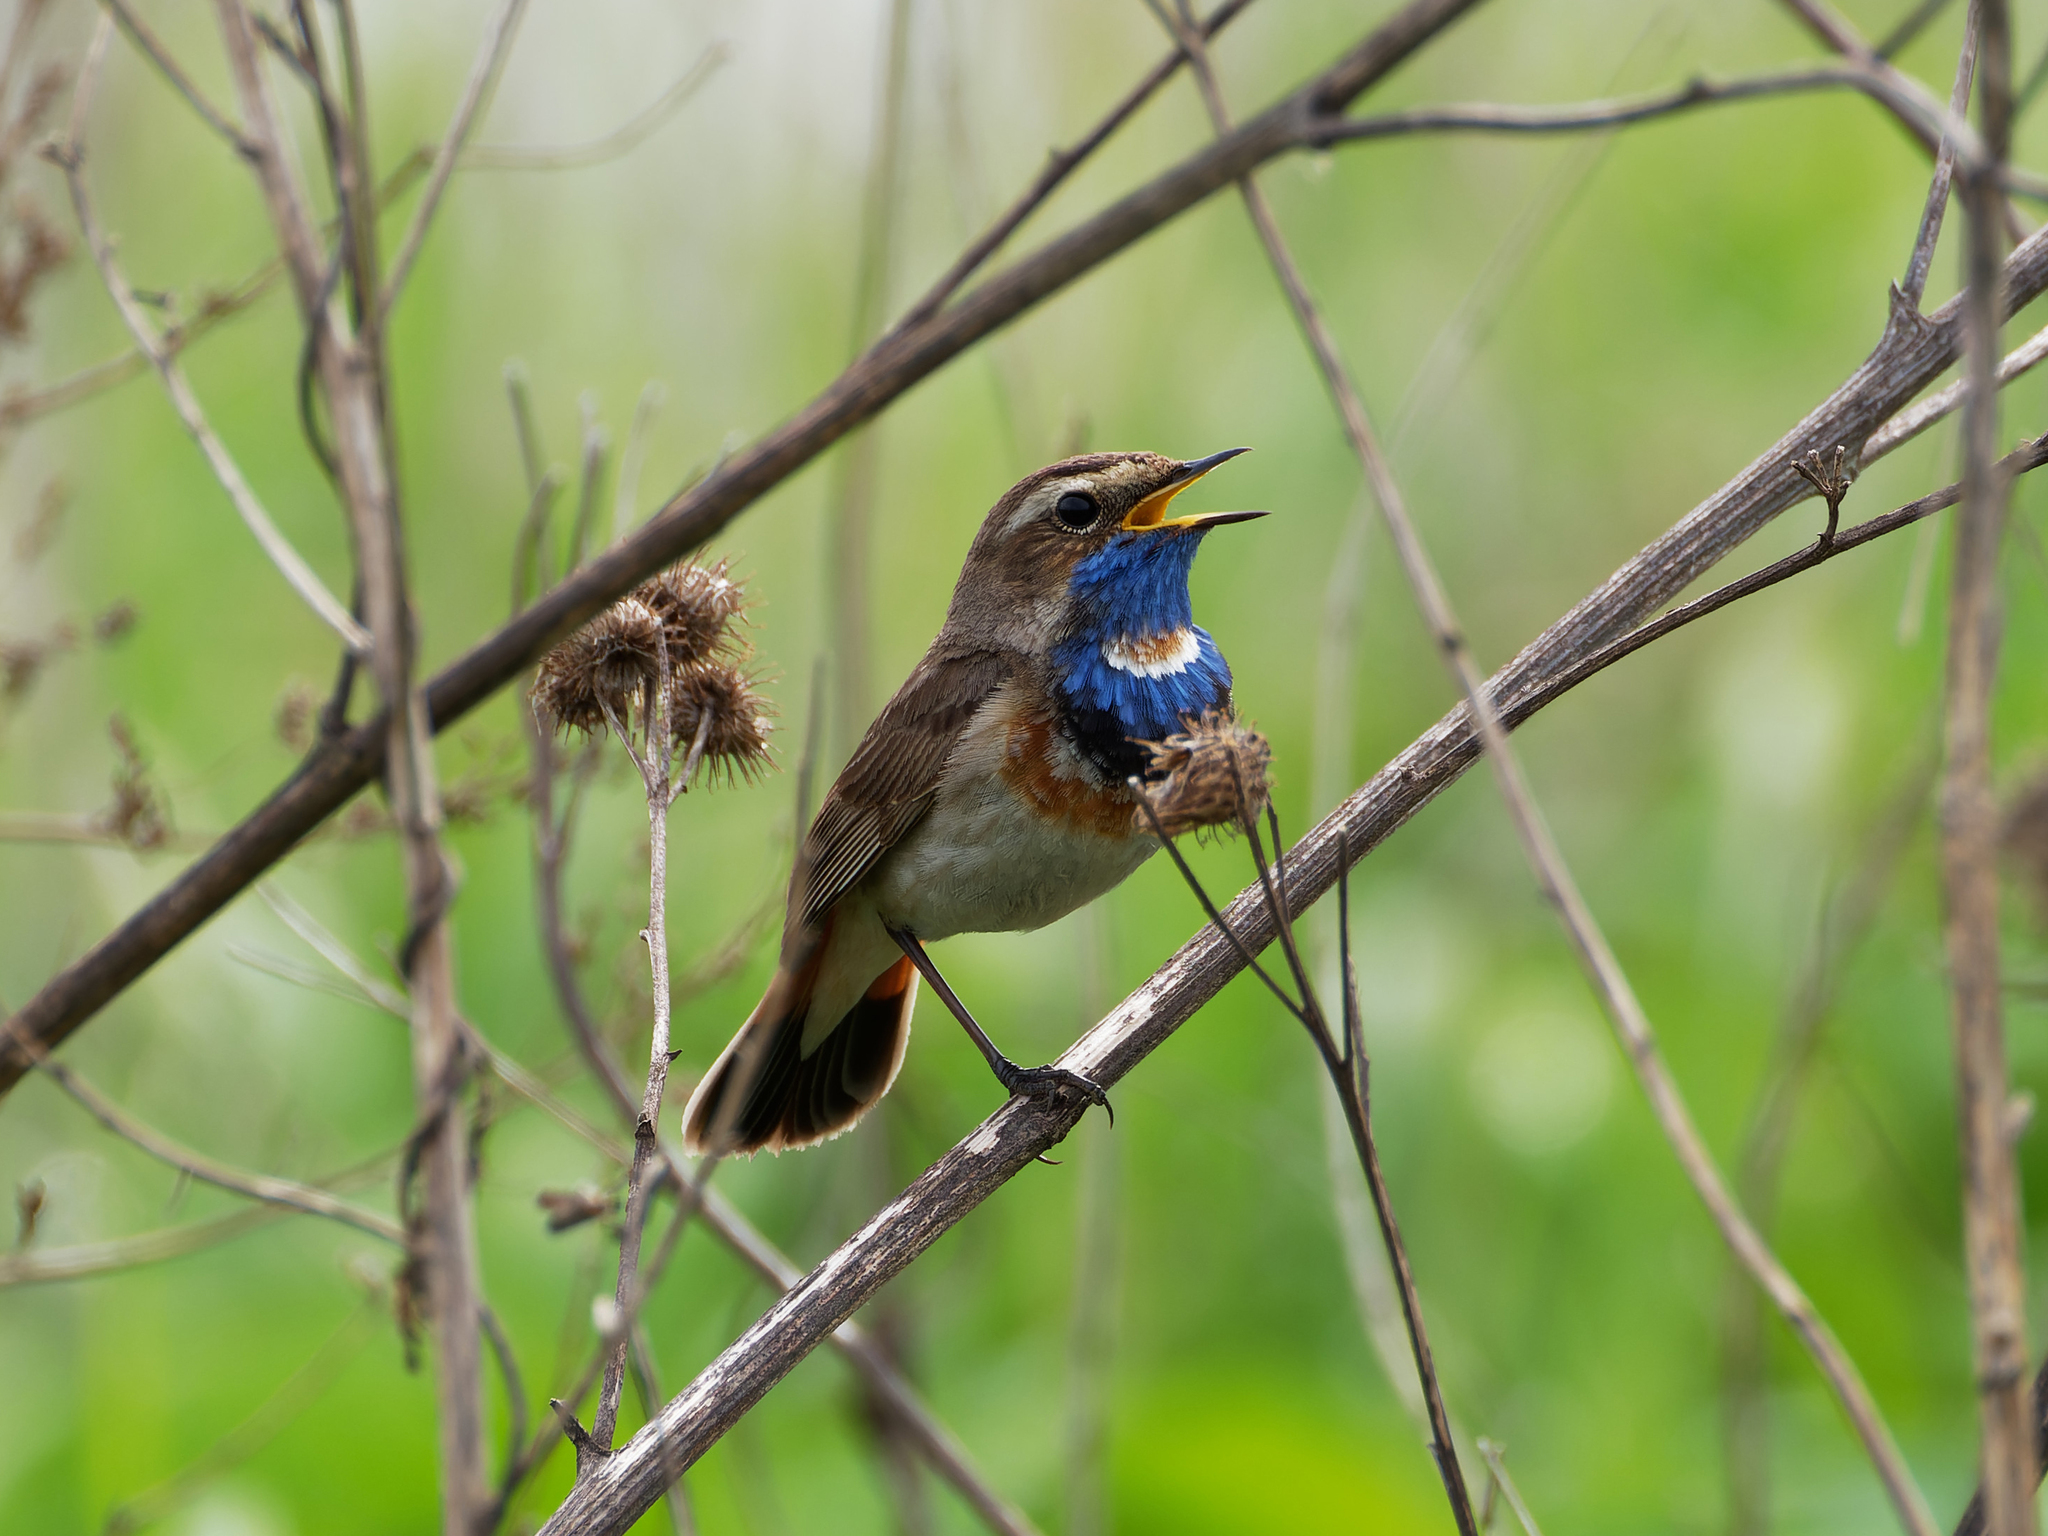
(1077, 509)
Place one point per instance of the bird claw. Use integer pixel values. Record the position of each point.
(1038, 1082)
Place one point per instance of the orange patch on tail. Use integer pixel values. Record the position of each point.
(892, 981)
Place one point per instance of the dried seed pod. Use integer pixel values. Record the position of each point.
(697, 605)
(568, 1208)
(1211, 775)
(736, 739)
(608, 662)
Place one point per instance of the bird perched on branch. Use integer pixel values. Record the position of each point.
(994, 793)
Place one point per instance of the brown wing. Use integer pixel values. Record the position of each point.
(888, 786)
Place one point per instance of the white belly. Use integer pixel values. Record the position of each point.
(988, 863)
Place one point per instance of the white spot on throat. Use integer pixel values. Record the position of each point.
(1153, 655)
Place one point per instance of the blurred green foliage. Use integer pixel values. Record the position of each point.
(1668, 302)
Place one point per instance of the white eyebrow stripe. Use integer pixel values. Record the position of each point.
(1040, 501)
(1153, 655)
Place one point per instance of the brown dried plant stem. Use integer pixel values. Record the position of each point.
(1553, 875)
(350, 367)
(1914, 287)
(1992, 1231)
(654, 765)
(70, 157)
(1914, 351)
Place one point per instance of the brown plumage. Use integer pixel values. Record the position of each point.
(975, 803)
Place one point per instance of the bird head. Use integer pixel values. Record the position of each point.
(1089, 541)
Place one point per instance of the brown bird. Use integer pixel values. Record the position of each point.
(992, 794)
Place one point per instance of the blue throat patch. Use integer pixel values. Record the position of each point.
(1133, 589)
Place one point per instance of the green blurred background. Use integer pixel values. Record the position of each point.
(1580, 338)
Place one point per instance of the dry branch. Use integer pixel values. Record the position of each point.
(1992, 1231)
(70, 158)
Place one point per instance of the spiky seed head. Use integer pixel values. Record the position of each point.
(736, 740)
(697, 605)
(608, 662)
(1211, 775)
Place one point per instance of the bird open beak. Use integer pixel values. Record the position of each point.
(1151, 512)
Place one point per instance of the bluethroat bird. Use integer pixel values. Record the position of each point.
(992, 794)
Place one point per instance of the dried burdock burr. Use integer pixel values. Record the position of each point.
(697, 606)
(605, 665)
(720, 700)
(1211, 775)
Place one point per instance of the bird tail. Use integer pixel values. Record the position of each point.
(766, 1092)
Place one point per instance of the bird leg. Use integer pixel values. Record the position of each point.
(1029, 1081)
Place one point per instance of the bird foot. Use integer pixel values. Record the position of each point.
(1039, 1082)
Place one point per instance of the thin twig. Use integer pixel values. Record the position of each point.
(627, 491)
(1922, 260)
(70, 158)
(654, 771)
(625, 138)
(1840, 34)
(1061, 164)
(1554, 878)
(1496, 1467)
(283, 196)
(267, 1188)
(476, 94)
(1992, 1228)
(151, 47)
(1917, 418)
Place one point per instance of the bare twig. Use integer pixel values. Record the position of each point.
(654, 771)
(283, 196)
(1903, 96)
(1922, 260)
(19, 406)
(476, 94)
(267, 1188)
(1058, 167)
(1555, 880)
(151, 47)
(70, 157)
(1836, 30)
(627, 491)
(1496, 1469)
(1969, 855)
(625, 138)
(1917, 418)
(349, 366)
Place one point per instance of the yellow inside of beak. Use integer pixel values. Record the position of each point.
(1151, 512)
